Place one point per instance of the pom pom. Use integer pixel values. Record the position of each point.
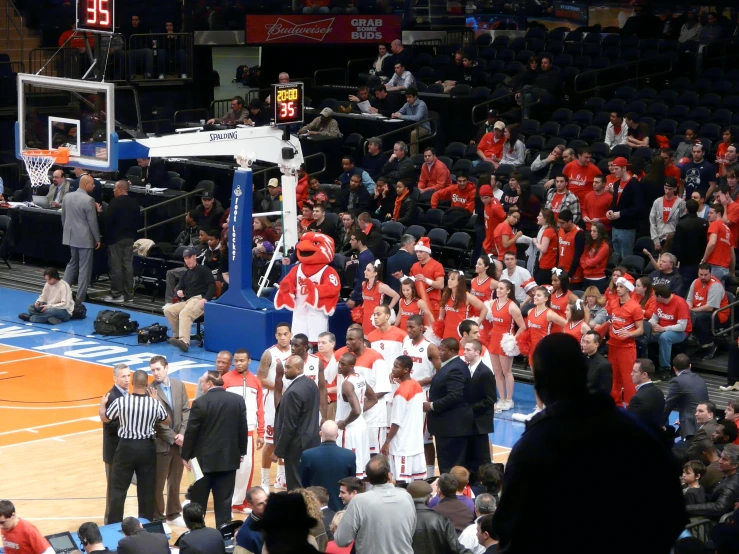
(524, 342)
(438, 328)
(393, 317)
(509, 345)
(358, 314)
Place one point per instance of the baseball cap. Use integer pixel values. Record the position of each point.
(499, 125)
(493, 113)
(621, 162)
(273, 182)
(189, 252)
(376, 140)
(486, 190)
(207, 194)
(670, 182)
(327, 112)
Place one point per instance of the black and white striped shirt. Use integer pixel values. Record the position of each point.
(137, 413)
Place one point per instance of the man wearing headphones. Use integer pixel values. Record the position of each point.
(90, 538)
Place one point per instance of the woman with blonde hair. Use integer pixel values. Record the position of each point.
(332, 547)
(594, 306)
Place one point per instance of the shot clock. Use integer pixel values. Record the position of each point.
(287, 102)
(95, 16)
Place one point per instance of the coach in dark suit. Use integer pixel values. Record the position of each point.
(296, 421)
(401, 262)
(600, 373)
(648, 404)
(138, 541)
(200, 539)
(324, 465)
(121, 380)
(480, 395)
(687, 390)
(216, 435)
(450, 418)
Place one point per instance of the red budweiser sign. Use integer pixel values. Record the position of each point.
(327, 29)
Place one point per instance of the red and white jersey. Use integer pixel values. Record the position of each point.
(249, 388)
(372, 366)
(419, 353)
(330, 372)
(307, 319)
(282, 356)
(407, 414)
(343, 408)
(389, 343)
(310, 369)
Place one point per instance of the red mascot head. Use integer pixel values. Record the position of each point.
(315, 249)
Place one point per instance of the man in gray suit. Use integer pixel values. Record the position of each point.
(58, 189)
(687, 390)
(81, 234)
(173, 397)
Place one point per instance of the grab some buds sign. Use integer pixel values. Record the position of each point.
(326, 29)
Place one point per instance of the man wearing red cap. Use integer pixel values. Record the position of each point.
(494, 215)
(626, 209)
(627, 322)
(429, 271)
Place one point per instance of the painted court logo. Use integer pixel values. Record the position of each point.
(314, 30)
(233, 135)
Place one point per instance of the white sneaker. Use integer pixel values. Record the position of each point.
(280, 484)
(265, 487)
(507, 405)
(499, 406)
(114, 299)
(177, 522)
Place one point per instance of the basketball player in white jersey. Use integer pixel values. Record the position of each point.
(355, 397)
(272, 357)
(326, 344)
(404, 443)
(426, 363)
(312, 369)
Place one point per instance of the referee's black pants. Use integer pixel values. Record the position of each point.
(222, 484)
(137, 456)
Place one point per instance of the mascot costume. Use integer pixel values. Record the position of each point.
(311, 289)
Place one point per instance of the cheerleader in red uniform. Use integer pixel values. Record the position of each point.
(455, 305)
(410, 304)
(373, 294)
(539, 323)
(561, 296)
(575, 314)
(504, 312)
(644, 295)
(488, 271)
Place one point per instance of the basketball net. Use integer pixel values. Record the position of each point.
(38, 163)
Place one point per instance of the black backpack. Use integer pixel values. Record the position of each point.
(79, 311)
(115, 322)
(152, 334)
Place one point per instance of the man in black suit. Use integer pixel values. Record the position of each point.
(572, 416)
(200, 539)
(707, 423)
(216, 435)
(121, 382)
(324, 465)
(480, 395)
(687, 390)
(296, 420)
(401, 262)
(600, 373)
(137, 540)
(450, 418)
(648, 404)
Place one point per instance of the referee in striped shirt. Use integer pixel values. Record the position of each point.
(137, 414)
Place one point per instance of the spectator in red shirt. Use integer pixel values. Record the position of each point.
(719, 252)
(731, 214)
(580, 174)
(434, 173)
(547, 243)
(596, 204)
(490, 147)
(671, 324)
(20, 535)
(461, 196)
(671, 170)
(494, 216)
(301, 192)
(594, 258)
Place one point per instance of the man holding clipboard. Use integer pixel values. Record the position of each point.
(216, 436)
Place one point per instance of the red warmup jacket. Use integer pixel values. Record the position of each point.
(464, 199)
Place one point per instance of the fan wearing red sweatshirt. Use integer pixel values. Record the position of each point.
(434, 173)
(461, 196)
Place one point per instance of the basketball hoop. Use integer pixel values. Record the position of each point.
(38, 163)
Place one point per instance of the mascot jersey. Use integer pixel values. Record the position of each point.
(311, 289)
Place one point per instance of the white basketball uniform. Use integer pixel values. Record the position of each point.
(269, 395)
(406, 448)
(307, 319)
(354, 437)
(390, 345)
(422, 369)
(372, 366)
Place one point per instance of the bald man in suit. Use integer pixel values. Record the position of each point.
(81, 233)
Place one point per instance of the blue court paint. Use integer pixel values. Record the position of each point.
(73, 340)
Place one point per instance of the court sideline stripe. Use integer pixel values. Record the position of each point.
(50, 439)
(42, 355)
(34, 429)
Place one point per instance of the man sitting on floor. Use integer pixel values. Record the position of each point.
(55, 304)
(196, 287)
